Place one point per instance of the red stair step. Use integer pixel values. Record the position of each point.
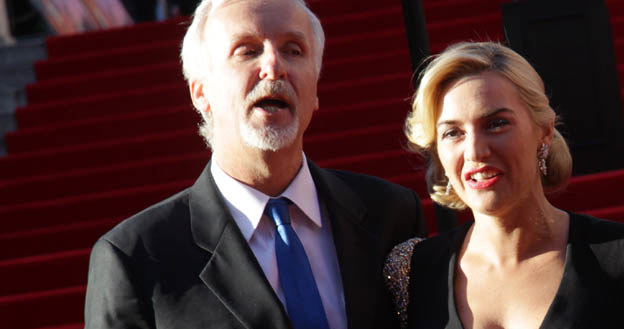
(95, 41)
(66, 326)
(104, 82)
(449, 10)
(612, 213)
(53, 239)
(45, 308)
(114, 59)
(357, 22)
(615, 7)
(364, 43)
(581, 189)
(26, 275)
(113, 177)
(330, 8)
(618, 46)
(472, 28)
(100, 154)
(91, 207)
(102, 129)
(139, 100)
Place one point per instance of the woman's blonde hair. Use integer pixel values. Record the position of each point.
(470, 58)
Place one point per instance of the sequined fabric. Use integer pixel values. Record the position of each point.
(396, 272)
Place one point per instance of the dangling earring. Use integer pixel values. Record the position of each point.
(542, 154)
(448, 188)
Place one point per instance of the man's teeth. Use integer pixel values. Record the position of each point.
(482, 175)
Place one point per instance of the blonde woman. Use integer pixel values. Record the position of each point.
(481, 115)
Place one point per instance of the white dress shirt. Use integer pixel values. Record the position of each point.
(247, 204)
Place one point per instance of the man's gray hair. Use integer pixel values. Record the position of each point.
(194, 44)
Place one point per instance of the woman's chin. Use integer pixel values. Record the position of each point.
(489, 204)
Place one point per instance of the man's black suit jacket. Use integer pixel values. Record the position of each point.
(183, 263)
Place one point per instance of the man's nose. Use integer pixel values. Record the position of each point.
(477, 147)
(272, 65)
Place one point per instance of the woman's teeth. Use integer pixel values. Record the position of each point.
(479, 176)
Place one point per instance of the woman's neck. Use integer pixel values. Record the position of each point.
(518, 234)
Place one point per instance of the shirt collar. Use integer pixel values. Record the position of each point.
(247, 204)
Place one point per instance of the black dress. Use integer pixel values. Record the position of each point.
(591, 293)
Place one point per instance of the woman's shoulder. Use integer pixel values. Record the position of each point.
(400, 258)
(597, 230)
(398, 267)
(604, 237)
(396, 273)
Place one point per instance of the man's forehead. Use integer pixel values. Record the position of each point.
(270, 16)
(254, 6)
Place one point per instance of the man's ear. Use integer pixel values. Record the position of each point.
(316, 104)
(199, 97)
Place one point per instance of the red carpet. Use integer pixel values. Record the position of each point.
(110, 129)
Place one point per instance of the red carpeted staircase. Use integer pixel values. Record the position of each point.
(110, 129)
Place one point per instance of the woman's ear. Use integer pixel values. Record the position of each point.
(548, 133)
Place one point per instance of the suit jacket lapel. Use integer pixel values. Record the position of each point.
(356, 247)
(232, 273)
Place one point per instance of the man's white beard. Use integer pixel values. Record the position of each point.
(268, 138)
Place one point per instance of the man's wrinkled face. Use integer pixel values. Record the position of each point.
(261, 84)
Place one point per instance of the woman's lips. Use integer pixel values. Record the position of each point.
(482, 178)
(482, 184)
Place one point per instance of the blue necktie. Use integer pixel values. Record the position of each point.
(303, 301)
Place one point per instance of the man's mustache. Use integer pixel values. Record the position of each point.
(278, 89)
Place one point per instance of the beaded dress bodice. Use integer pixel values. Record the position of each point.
(397, 275)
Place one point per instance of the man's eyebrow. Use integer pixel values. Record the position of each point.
(484, 116)
(296, 35)
(240, 36)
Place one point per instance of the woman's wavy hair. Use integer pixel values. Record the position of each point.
(471, 58)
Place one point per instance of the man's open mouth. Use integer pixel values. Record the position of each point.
(272, 104)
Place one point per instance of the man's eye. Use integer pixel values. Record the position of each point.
(250, 52)
(246, 51)
(294, 50)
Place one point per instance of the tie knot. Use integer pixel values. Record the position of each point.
(277, 209)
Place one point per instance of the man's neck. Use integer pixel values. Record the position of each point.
(266, 171)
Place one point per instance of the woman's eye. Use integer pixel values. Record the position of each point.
(497, 124)
(451, 133)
